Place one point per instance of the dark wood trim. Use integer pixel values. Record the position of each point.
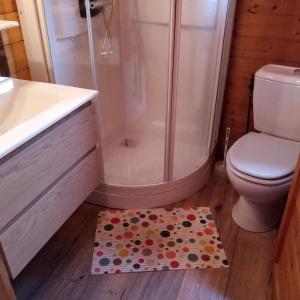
(288, 212)
(4, 70)
(6, 290)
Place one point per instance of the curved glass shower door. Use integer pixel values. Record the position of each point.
(199, 42)
(132, 55)
(156, 64)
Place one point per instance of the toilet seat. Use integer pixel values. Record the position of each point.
(261, 158)
(256, 180)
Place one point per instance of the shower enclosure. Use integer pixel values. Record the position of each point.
(160, 67)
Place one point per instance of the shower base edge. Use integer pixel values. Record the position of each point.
(159, 195)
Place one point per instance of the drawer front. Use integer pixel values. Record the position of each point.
(24, 238)
(25, 175)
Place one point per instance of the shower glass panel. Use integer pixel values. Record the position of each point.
(156, 64)
(69, 43)
(132, 56)
(200, 42)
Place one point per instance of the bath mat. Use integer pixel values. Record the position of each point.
(156, 239)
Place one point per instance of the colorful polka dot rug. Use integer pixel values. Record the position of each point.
(156, 239)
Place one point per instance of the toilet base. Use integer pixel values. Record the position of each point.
(256, 216)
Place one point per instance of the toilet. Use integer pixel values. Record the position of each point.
(260, 165)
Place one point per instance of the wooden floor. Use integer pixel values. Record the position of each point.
(62, 268)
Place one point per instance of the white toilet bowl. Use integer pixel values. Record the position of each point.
(259, 206)
(260, 168)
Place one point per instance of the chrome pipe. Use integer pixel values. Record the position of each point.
(100, 3)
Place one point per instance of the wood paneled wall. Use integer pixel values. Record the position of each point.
(265, 31)
(13, 42)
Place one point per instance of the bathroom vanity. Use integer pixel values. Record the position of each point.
(48, 164)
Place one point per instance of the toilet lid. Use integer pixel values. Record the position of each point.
(264, 156)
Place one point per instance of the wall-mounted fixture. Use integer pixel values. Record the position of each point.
(4, 70)
(94, 9)
(4, 24)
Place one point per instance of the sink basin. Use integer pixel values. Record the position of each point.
(28, 107)
(21, 102)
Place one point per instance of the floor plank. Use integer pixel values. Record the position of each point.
(211, 284)
(58, 288)
(62, 268)
(44, 264)
(76, 264)
(155, 286)
(250, 275)
(111, 286)
(203, 284)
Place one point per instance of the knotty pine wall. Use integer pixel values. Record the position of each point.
(13, 42)
(265, 31)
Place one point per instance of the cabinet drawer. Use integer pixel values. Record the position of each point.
(31, 169)
(27, 235)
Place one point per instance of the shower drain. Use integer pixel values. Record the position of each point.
(129, 143)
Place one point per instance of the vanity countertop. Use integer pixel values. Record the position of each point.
(27, 108)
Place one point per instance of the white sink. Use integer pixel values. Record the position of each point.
(22, 102)
(28, 107)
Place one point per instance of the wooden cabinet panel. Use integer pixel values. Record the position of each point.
(13, 35)
(286, 267)
(23, 239)
(16, 57)
(7, 6)
(6, 290)
(13, 42)
(27, 174)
